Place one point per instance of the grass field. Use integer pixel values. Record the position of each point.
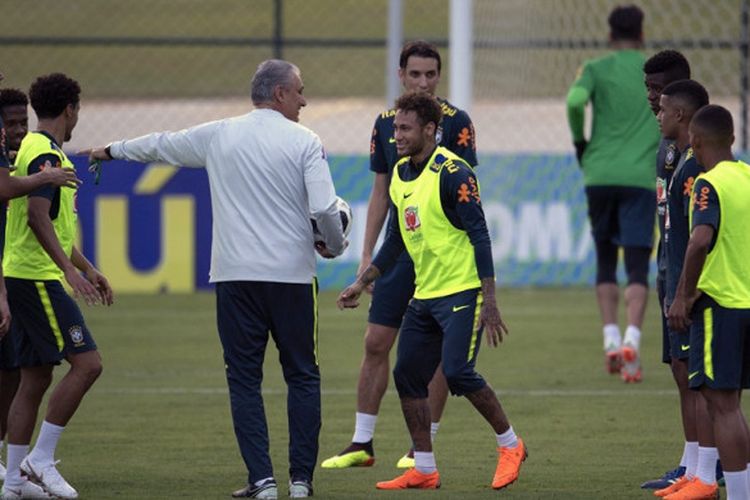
(157, 424)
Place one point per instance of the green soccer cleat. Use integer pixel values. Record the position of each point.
(407, 461)
(356, 455)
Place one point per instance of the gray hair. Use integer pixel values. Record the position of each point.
(270, 73)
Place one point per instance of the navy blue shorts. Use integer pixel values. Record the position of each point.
(9, 350)
(392, 294)
(622, 215)
(675, 345)
(719, 346)
(47, 321)
(440, 329)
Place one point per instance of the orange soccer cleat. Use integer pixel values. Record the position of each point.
(695, 490)
(412, 478)
(673, 488)
(509, 462)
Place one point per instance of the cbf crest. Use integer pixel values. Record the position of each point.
(411, 218)
(76, 335)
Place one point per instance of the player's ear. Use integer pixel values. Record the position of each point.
(278, 93)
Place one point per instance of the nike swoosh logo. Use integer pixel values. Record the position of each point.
(407, 195)
(392, 140)
(690, 377)
(458, 308)
(684, 347)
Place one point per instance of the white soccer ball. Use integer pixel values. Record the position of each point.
(345, 211)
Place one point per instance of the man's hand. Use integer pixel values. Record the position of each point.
(100, 153)
(82, 287)
(580, 149)
(678, 316)
(364, 264)
(348, 298)
(4, 315)
(60, 177)
(323, 251)
(102, 285)
(494, 327)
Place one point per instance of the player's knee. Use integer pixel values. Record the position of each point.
(606, 262)
(636, 265)
(88, 366)
(680, 373)
(409, 381)
(460, 380)
(379, 340)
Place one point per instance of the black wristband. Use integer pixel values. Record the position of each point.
(108, 151)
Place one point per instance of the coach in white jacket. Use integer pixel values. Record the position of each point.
(268, 175)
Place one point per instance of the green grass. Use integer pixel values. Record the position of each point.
(157, 424)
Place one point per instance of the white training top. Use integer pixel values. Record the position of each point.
(268, 176)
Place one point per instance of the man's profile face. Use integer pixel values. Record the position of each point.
(655, 83)
(72, 119)
(408, 132)
(669, 117)
(293, 100)
(420, 75)
(16, 121)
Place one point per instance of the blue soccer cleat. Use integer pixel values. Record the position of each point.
(668, 479)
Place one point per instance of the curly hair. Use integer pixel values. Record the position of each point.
(670, 62)
(12, 97)
(51, 94)
(426, 106)
(419, 48)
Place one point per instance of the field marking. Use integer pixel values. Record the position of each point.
(352, 392)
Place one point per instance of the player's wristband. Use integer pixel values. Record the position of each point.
(108, 151)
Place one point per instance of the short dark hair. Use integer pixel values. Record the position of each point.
(419, 48)
(626, 22)
(12, 97)
(426, 106)
(670, 62)
(51, 94)
(690, 92)
(715, 123)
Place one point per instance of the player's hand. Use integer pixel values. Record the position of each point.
(678, 316)
(580, 149)
(96, 154)
(82, 287)
(60, 177)
(364, 264)
(320, 247)
(102, 285)
(348, 298)
(4, 315)
(490, 320)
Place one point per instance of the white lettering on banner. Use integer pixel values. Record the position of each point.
(534, 231)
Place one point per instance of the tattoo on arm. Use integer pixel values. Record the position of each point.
(369, 275)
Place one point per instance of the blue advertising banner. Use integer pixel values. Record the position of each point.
(148, 227)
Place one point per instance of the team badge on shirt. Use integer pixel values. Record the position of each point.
(439, 135)
(76, 335)
(411, 218)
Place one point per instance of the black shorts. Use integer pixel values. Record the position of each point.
(675, 345)
(719, 346)
(392, 294)
(47, 321)
(9, 350)
(622, 215)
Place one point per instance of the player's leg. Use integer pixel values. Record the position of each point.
(10, 376)
(419, 351)
(602, 209)
(437, 398)
(390, 298)
(461, 344)
(243, 330)
(295, 331)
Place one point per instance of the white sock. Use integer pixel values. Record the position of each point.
(691, 465)
(434, 426)
(736, 483)
(46, 442)
(16, 454)
(507, 439)
(747, 476)
(612, 338)
(424, 462)
(633, 337)
(364, 427)
(707, 458)
(683, 460)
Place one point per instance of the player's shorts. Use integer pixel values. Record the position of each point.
(9, 350)
(47, 321)
(435, 330)
(719, 346)
(623, 215)
(392, 293)
(675, 345)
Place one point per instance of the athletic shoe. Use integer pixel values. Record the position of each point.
(612, 360)
(412, 478)
(27, 489)
(48, 478)
(407, 461)
(673, 488)
(668, 479)
(300, 488)
(267, 491)
(696, 490)
(355, 455)
(631, 366)
(509, 462)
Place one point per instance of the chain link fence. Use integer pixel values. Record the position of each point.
(146, 65)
